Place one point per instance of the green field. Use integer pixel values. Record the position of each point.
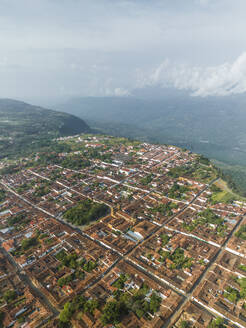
(225, 195)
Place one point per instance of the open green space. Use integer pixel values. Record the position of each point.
(85, 212)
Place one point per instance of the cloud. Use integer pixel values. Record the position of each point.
(221, 80)
(120, 92)
(59, 48)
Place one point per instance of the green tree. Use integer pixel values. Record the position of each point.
(217, 323)
(155, 302)
(66, 313)
(112, 312)
(9, 296)
(184, 324)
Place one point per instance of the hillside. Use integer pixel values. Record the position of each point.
(26, 127)
(213, 126)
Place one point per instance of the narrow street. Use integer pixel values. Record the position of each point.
(185, 296)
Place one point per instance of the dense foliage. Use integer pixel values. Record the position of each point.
(25, 128)
(241, 233)
(207, 217)
(71, 261)
(125, 302)
(236, 294)
(78, 303)
(217, 323)
(28, 243)
(9, 296)
(86, 212)
(178, 259)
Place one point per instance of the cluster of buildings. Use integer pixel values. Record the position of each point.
(19, 303)
(161, 231)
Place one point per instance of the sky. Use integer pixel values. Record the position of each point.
(51, 50)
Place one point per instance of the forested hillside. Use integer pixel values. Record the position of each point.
(24, 127)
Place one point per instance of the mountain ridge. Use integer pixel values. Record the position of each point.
(23, 126)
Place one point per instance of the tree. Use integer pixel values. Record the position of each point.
(91, 305)
(28, 242)
(112, 312)
(184, 324)
(9, 296)
(86, 212)
(66, 313)
(155, 302)
(217, 323)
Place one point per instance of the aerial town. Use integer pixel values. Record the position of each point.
(108, 232)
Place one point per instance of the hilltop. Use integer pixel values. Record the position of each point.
(24, 127)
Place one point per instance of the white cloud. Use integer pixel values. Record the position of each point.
(94, 48)
(221, 80)
(121, 92)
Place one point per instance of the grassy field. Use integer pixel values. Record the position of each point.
(226, 195)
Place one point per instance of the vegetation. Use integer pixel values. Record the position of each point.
(222, 197)
(232, 294)
(147, 180)
(242, 267)
(9, 296)
(86, 212)
(2, 195)
(242, 283)
(207, 217)
(223, 194)
(125, 302)
(75, 162)
(234, 175)
(22, 188)
(236, 294)
(120, 283)
(179, 260)
(18, 220)
(26, 128)
(68, 260)
(198, 170)
(164, 209)
(78, 274)
(90, 266)
(179, 123)
(177, 191)
(217, 323)
(184, 324)
(78, 303)
(117, 307)
(71, 261)
(42, 190)
(164, 239)
(241, 233)
(28, 243)
(113, 312)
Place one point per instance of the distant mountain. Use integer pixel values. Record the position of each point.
(22, 126)
(214, 126)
